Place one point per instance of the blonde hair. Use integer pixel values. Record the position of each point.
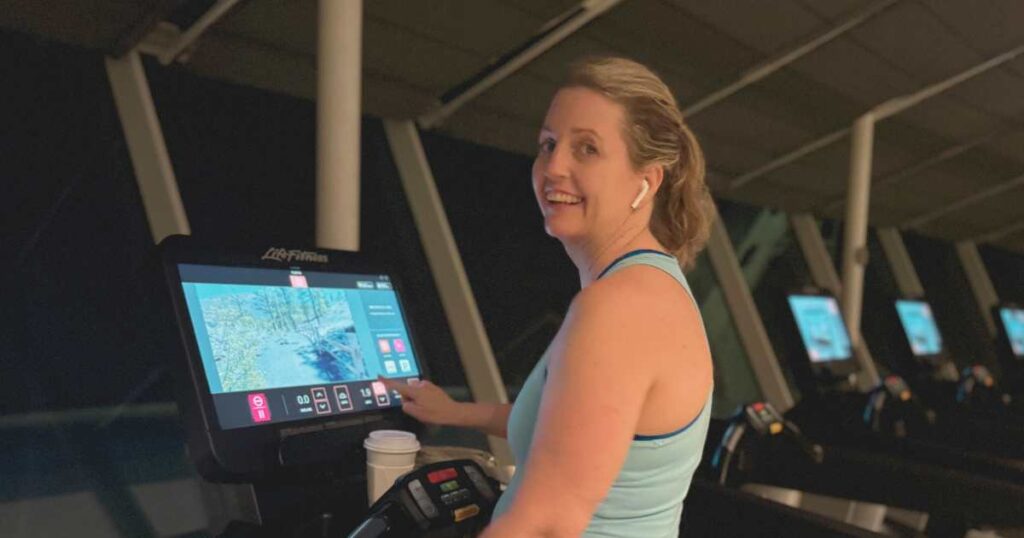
(655, 133)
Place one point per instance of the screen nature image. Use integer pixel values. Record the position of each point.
(270, 336)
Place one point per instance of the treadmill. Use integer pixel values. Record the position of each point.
(892, 418)
(277, 386)
(824, 446)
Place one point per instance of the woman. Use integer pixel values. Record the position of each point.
(608, 428)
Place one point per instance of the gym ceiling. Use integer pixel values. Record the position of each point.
(950, 167)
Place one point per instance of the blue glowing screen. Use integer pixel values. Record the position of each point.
(920, 328)
(821, 327)
(1013, 324)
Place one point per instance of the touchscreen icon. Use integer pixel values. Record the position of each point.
(384, 345)
(389, 367)
(298, 281)
(258, 407)
(380, 393)
(405, 365)
(342, 395)
(399, 345)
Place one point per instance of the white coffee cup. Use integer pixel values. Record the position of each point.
(389, 455)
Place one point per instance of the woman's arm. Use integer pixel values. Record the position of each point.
(489, 418)
(430, 404)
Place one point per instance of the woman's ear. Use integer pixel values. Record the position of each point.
(655, 175)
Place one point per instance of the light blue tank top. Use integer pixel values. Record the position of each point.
(646, 498)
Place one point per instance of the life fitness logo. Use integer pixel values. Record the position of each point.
(258, 407)
(294, 255)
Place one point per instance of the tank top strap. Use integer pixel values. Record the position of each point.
(655, 258)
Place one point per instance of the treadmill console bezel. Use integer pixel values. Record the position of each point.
(829, 370)
(1002, 335)
(929, 360)
(315, 446)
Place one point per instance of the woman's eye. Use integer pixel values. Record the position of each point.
(587, 148)
(547, 145)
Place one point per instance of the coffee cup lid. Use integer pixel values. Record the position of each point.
(392, 441)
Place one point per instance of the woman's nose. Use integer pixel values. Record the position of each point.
(556, 162)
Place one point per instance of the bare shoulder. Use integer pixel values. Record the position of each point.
(641, 293)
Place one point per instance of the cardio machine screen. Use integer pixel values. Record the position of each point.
(821, 327)
(1013, 324)
(920, 328)
(280, 345)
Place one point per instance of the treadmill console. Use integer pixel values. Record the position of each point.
(922, 333)
(764, 418)
(897, 388)
(822, 331)
(451, 498)
(282, 350)
(1011, 320)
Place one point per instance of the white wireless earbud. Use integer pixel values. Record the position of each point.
(643, 192)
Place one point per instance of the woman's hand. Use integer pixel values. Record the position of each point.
(426, 402)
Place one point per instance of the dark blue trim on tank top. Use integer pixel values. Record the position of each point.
(630, 254)
(670, 434)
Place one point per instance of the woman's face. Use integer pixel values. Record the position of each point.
(582, 177)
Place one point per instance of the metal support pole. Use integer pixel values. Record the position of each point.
(731, 281)
(980, 196)
(939, 158)
(460, 307)
(212, 15)
(981, 285)
(339, 78)
(855, 230)
(1000, 232)
(808, 236)
(152, 165)
(900, 263)
(787, 57)
(765, 238)
(880, 112)
(550, 35)
(823, 272)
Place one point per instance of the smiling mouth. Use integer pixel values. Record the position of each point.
(561, 198)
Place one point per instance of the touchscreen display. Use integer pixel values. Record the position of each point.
(281, 344)
(1013, 324)
(821, 327)
(920, 328)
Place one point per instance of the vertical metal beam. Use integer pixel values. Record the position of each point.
(460, 307)
(152, 165)
(808, 236)
(855, 229)
(900, 263)
(756, 251)
(338, 123)
(981, 285)
(823, 272)
(731, 281)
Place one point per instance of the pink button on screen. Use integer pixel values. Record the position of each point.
(258, 407)
(399, 345)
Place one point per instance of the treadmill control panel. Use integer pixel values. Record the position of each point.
(446, 495)
(897, 388)
(764, 418)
